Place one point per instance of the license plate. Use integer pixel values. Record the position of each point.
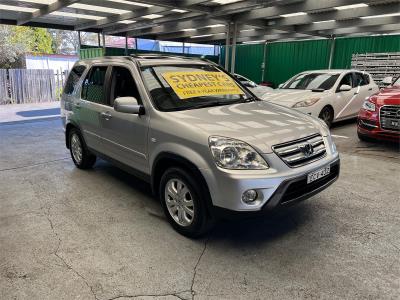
(394, 123)
(318, 174)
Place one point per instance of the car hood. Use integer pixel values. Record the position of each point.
(260, 124)
(288, 97)
(388, 96)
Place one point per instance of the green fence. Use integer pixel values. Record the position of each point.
(285, 59)
(249, 60)
(91, 52)
(345, 47)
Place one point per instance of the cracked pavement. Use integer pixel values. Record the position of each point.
(98, 234)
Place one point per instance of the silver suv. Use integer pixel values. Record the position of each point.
(204, 142)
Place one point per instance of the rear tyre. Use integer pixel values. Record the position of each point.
(183, 202)
(326, 115)
(80, 155)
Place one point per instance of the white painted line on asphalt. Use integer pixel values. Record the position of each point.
(340, 136)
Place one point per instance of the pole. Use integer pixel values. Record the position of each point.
(136, 44)
(79, 39)
(104, 42)
(219, 54)
(227, 42)
(183, 47)
(98, 39)
(332, 51)
(263, 63)
(126, 45)
(233, 57)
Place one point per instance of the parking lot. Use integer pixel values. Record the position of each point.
(99, 234)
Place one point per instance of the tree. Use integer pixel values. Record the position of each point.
(38, 40)
(64, 41)
(16, 40)
(10, 51)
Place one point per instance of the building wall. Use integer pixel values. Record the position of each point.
(50, 61)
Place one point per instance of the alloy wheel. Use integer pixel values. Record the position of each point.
(76, 148)
(179, 202)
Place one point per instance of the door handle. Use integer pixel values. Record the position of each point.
(106, 115)
(356, 93)
(370, 89)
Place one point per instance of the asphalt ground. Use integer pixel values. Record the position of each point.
(99, 234)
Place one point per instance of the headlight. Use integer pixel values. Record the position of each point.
(368, 105)
(306, 103)
(234, 154)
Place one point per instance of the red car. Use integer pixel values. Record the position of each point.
(379, 117)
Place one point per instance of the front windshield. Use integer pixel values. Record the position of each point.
(312, 81)
(396, 82)
(181, 87)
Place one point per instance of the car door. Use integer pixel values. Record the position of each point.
(344, 99)
(361, 84)
(92, 103)
(125, 135)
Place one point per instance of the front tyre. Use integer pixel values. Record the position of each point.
(326, 115)
(181, 198)
(80, 155)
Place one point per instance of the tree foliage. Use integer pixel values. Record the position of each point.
(16, 40)
(64, 41)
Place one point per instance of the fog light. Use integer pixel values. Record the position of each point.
(249, 196)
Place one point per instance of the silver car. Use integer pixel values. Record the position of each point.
(205, 143)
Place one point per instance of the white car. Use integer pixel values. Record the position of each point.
(331, 95)
(258, 90)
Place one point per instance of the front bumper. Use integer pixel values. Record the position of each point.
(368, 125)
(279, 185)
(289, 192)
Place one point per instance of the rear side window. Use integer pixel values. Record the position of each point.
(73, 79)
(93, 86)
(360, 79)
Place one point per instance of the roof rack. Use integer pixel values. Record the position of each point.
(156, 56)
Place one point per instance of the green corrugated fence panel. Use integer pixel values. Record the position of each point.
(248, 62)
(110, 51)
(285, 59)
(91, 53)
(345, 47)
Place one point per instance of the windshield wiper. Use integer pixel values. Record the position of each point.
(211, 104)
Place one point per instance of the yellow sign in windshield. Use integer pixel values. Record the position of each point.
(191, 84)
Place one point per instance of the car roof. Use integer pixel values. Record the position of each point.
(147, 60)
(333, 71)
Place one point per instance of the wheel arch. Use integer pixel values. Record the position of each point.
(165, 160)
(330, 107)
(68, 128)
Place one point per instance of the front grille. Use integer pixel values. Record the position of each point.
(390, 117)
(297, 153)
(300, 188)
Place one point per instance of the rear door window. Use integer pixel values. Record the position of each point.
(360, 79)
(73, 79)
(93, 88)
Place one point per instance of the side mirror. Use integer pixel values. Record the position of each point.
(387, 80)
(128, 105)
(344, 88)
(249, 84)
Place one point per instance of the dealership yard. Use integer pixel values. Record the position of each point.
(99, 234)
